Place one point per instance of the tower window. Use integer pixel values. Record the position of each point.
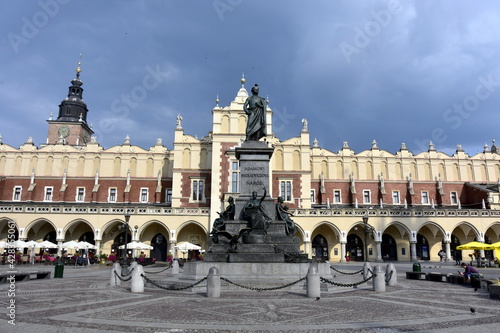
(68, 110)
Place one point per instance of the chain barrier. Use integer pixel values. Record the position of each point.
(388, 277)
(355, 284)
(346, 273)
(263, 289)
(129, 273)
(123, 279)
(163, 270)
(171, 288)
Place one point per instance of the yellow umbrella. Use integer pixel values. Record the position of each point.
(493, 246)
(473, 246)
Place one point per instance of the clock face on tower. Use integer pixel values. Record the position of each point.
(63, 131)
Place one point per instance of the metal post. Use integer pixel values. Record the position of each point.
(125, 231)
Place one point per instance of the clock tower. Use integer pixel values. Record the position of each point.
(71, 126)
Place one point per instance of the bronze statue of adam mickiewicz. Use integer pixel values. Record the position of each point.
(255, 108)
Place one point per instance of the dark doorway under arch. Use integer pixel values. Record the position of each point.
(422, 248)
(389, 248)
(354, 248)
(159, 244)
(320, 248)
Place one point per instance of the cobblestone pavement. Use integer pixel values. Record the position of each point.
(83, 302)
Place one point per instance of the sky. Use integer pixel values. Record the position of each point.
(391, 71)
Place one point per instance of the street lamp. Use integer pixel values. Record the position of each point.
(368, 228)
(125, 227)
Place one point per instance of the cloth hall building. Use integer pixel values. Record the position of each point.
(72, 188)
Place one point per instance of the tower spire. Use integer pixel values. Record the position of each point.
(79, 69)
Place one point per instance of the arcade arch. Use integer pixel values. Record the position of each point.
(192, 232)
(40, 230)
(325, 242)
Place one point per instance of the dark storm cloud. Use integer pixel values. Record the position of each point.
(391, 71)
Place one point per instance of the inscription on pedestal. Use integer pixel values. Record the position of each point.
(254, 176)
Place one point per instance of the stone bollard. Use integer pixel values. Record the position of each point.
(137, 285)
(175, 267)
(379, 279)
(133, 264)
(213, 283)
(313, 282)
(114, 281)
(391, 275)
(366, 270)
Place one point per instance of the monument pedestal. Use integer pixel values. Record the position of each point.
(264, 275)
(255, 237)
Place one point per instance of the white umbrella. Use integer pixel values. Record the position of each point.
(86, 245)
(17, 243)
(32, 244)
(3, 244)
(186, 246)
(71, 244)
(48, 245)
(136, 246)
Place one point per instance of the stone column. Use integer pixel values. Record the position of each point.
(173, 243)
(379, 251)
(98, 247)
(447, 250)
(342, 251)
(59, 247)
(307, 249)
(413, 251)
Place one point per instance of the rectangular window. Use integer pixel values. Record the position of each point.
(112, 194)
(235, 177)
(367, 198)
(425, 198)
(16, 196)
(168, 195)
(144, 194)
(395, 197)
(197, 186)
(313, 196)
(337, 197)
(454, 198)
(286, 190)
(80, 194)
(48, 193)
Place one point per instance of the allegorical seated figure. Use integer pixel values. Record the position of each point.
(219, 223)
(254, 214)
(283, 214)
